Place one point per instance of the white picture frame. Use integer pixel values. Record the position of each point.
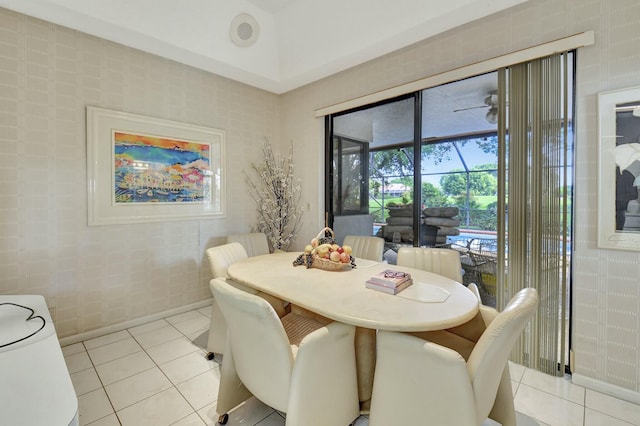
(618, 166)
(144, 169)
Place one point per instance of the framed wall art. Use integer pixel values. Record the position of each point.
(619, 169)
(144, 169)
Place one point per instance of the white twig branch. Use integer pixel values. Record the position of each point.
(277, 195)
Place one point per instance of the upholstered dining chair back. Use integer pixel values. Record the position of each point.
(476, 292)
(294, 364)
(254, 243)
(262, 353)
(365, 247)
(492, 351)
(441, 261)
(220, 257)
(436, 381)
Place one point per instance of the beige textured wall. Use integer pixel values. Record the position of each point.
(606, 283)
(94, 277)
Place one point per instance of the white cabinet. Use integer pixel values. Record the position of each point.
(35, 388)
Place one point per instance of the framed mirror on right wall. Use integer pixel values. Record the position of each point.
(619, 169)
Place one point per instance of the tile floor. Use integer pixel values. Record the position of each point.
(157, 374)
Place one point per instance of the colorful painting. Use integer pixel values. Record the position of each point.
(146, 169)
(149, 169)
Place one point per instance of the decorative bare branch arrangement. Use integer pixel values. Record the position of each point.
(277, 195)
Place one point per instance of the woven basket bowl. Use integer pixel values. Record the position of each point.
(329, 265)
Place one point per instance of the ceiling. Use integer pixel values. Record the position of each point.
(298, 41)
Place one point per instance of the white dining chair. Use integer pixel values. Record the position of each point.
(220, 257)
(254, 243)
(476, 292)
(416, 379)
(365, 247)
(441, 261)
(301, 367)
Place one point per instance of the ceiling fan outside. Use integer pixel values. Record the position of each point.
(490, 101)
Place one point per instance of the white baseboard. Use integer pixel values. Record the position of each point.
(606, 388)
(69, 340)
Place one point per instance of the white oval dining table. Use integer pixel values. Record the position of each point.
(433, 302)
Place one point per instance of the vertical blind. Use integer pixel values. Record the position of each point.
(533, 193)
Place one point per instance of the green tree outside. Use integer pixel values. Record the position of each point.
(481, 181)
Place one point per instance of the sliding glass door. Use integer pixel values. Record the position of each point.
(431, 167)
(482, 166)
(372, 171)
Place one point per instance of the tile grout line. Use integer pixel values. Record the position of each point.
(156, 365)
(176, 387)
(104, 389)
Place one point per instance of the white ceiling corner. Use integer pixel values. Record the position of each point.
(300, 41)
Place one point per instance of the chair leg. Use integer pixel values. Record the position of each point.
(503, 410)
(231, 391)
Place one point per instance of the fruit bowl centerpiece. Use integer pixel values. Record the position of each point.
(324, 253)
